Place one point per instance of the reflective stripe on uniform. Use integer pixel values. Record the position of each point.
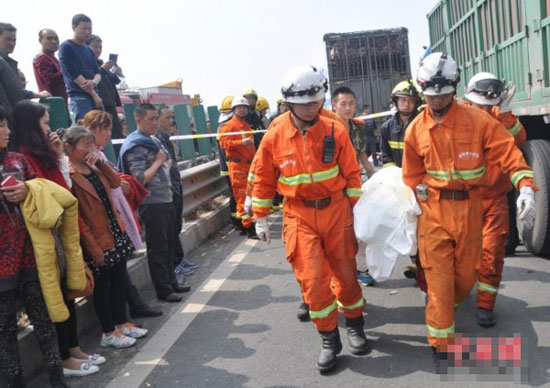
(396, 145)
(388, 164)
(457, 174)
(515, 129)
(322, 176)
(439, 175)
(469, 174)
(487, 288)
(245, 216)
(258, 202)
(251, 177)
(324, 312)
(518, 176)
(359, 303)
(353, 192)
(440, 333)
(224, 173)
(235, 215)
(319, 176)
(295, 180)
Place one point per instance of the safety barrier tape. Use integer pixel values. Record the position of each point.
(199, 136)
(377, 115)
(207, 135)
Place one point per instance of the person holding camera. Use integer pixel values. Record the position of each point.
(107, 86)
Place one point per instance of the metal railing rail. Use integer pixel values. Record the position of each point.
(201, 184)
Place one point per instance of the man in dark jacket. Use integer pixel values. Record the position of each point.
(12, 89)
(252, 118)
(166, 121)
(107, 86)
(407, 99)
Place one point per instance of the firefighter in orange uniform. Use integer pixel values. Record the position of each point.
(309, 159)
(486, 92)
(303, 310)
(446, 152)
(239, 150)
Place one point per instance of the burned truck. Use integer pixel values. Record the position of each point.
(370, 63)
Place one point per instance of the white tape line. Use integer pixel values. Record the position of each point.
(207, 135)
(200, 136)
(377, 115)
(134, 373)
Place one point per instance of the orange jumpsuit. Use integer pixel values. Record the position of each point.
(252, 173)
(450, 157)
(320, 242)
(239, 158)
(496, 219)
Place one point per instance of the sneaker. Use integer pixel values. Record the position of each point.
(181, 270)
(365, 279)
(131, 330)
(189, 265)
(94, 359)
(117, 340)
(85, 370)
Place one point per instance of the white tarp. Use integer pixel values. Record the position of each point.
(385, 219)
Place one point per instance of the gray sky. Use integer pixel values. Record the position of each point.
(217, 47)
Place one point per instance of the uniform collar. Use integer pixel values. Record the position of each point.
(449, 119)
(293, 131)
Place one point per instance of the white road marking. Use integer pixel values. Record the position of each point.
(138, 368)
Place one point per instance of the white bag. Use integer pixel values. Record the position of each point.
(385, 219)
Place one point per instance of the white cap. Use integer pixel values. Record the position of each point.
(239, 101)
(475, 96)
(438, 74)
(304, 84)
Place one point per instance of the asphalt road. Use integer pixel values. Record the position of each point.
(239, 329)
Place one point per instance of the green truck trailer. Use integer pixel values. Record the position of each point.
(510, 38)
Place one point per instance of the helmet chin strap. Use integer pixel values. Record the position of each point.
(445, 109)
(309, 123)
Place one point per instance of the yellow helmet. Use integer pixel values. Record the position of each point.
(407, 88)
(262, 104)
(249, 92)
(226, 104)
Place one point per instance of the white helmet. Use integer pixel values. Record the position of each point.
(438, 74)
(239, 101)
(484, 89)
(304, 84)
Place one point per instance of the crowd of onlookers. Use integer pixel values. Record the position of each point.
(69, 218)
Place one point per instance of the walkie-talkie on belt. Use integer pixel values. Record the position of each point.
(328, 147)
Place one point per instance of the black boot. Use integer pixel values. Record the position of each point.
(303, 312)
(358, 342)
(440, 360)
(331, 347)
(486, 318)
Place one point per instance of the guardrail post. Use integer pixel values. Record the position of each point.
(58, 112)
(129, 116)
(201, 127)
(187, 147)
(213, 116)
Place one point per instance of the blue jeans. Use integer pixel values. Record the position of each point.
(80, 105)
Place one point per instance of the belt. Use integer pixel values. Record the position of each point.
(454, 195)
(318, 203)
(239, 161)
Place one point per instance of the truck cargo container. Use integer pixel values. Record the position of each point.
(371, 63)
(510, 38)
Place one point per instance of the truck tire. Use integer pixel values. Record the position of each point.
(537, 239)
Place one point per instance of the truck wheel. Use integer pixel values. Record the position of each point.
(537, 239)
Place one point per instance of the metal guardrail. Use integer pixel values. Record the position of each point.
(201, 184)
